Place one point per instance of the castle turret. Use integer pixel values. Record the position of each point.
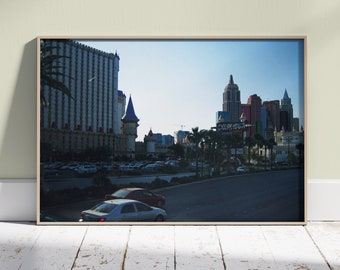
(130, 124)
(150, 144)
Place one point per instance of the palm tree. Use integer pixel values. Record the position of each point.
(231, 140)
(219, 150)
(259, 142)
(50, 68)
(265, 143)
(271, 144)
(249, 142)
(195, 137)
(177, 150)
(210, 139)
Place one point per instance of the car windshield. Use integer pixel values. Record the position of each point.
(104, 207)
(122, 193)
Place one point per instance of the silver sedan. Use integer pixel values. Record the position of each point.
(123, 210)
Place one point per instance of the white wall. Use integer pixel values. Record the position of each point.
(22, 21)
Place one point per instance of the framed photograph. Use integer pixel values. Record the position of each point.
(171, 130)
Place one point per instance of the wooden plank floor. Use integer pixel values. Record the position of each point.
(27, 246)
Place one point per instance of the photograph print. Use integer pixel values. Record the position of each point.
(171, 130)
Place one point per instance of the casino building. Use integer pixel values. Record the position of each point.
(94, 116)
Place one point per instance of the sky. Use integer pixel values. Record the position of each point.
(178, 84)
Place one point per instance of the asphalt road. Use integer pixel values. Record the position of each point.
(276, 196)
(264, 197)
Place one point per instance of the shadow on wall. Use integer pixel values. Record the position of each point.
(18, 150)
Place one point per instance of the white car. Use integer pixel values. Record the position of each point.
(242, 169)
(86, 169)
(123, 210)
(151, 167)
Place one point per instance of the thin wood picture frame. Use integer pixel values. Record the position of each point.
(131, 130)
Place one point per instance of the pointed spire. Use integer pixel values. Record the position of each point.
(117, 55)
(285, 96)
(130, 115)
(231, 80)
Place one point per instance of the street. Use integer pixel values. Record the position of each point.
(275, 196)
(264, 197)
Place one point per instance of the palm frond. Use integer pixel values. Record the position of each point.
(53, 83)
(50, 69)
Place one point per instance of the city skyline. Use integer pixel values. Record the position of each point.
(178, 84)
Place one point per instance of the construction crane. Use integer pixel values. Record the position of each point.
(182, 126)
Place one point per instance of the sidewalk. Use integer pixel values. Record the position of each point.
(146, 178)
(69, 183)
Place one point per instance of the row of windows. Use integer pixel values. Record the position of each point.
(95, 97)
(233, 96)
(69, 141)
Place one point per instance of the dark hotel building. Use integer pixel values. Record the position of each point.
(91, 118)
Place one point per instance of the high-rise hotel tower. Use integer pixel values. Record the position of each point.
(232, 100)
(91, 117)
(287, 111)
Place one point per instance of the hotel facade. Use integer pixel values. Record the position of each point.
(91, 117)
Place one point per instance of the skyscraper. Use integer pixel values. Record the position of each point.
(273, 113)
(92, 77)
(90, 118)
(286, 106)
(255, 103)
(232, 100)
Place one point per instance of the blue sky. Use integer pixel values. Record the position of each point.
(176, 83)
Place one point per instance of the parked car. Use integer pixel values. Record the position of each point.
(172, 163)
(242, 169)
(138, 194)
(70, 166)
(126, 167)
(86, 169)
(151, 167)
(123, 210)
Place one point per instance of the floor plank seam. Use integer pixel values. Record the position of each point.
(174, 247)
(126, 249)
(79, 248)
(269, 246)
(318, 248)
(221, 248)
(34, 243)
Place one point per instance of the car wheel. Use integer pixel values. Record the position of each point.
(159, 218)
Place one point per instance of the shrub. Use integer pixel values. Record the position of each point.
(159, 183)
